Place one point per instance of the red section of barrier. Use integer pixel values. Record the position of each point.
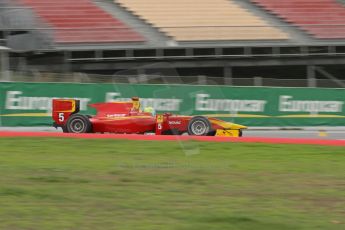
(177, 138)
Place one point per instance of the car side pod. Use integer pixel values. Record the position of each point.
(160, 119)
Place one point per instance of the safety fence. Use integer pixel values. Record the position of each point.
(130, 77)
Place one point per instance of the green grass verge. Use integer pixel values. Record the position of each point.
(50, 183)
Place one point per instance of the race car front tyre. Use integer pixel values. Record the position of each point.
(78, 123)
(199, 126)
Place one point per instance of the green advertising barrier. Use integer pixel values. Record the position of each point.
(29, 104)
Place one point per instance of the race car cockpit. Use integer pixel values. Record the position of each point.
(136, 107)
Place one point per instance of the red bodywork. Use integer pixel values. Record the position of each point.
(122, 117)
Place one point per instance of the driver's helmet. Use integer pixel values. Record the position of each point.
(150, 110)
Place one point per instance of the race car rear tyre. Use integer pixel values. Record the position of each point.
(64, 129)
(78, 123)
(199, 126)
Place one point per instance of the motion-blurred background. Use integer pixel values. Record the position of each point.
(262, 43)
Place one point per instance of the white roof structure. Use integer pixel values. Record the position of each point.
(4, 48)
(4, 64)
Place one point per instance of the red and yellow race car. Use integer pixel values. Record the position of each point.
(128, 118)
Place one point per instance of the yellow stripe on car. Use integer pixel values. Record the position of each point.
(227, 125)
(26, 115)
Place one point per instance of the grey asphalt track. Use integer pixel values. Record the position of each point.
(330, 133)
(314, 134)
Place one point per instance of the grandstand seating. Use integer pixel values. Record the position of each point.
(322, 19)
(81, 21)
(203, 20)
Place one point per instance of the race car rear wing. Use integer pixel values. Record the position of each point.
(63, 109)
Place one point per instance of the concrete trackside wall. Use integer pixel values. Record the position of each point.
(29, 104)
